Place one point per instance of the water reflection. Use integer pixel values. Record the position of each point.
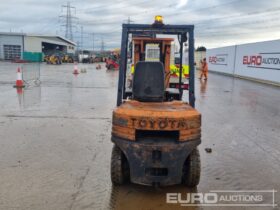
(203, 88)
(132, 196)
(29, 97)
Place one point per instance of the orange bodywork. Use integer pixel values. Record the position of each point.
(166, 116)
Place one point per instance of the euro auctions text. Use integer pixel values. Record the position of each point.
(253, 198)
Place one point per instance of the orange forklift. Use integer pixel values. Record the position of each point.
(155, 133)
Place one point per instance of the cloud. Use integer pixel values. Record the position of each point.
(182, 3)
(217, 22)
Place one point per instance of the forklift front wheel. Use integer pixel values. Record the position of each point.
(119, 167)
(191, 169)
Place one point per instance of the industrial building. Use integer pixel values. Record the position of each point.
(32, 47)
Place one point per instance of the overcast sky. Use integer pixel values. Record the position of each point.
(217, 22)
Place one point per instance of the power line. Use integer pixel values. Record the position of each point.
(132, 3)
(269, 11)
(99, 21)
(109, 33)
(68, 18)
(82, 37)
(243, 24)
(129, 21)
(102, 45)
(92, 41)
(230, 34)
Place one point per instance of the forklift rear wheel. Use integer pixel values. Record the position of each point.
(119, 167)
(191, 169)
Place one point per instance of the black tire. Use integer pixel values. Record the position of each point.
(119, 167)
(191, 169)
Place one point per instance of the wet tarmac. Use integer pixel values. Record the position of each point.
(55, 143)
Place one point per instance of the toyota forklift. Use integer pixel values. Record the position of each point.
(155, 133)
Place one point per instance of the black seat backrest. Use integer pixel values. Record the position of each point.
(148, 82)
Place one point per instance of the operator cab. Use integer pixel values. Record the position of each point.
(152, 50)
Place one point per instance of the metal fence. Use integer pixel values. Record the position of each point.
(31, 73)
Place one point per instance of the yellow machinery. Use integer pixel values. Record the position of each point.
(67, 59)
(53, 59)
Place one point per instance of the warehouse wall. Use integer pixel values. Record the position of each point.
(71, 49)
(10, 40)
(19, 44)
(260, 61)
(32, 44)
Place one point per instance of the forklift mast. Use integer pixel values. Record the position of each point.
(184, 33)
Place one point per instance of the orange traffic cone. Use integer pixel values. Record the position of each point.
(76, 71)
(19, 91)
(20, 94)
(98, 66)
(19, 81)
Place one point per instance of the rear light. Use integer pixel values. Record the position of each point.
(183, 76)
(183, 86)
